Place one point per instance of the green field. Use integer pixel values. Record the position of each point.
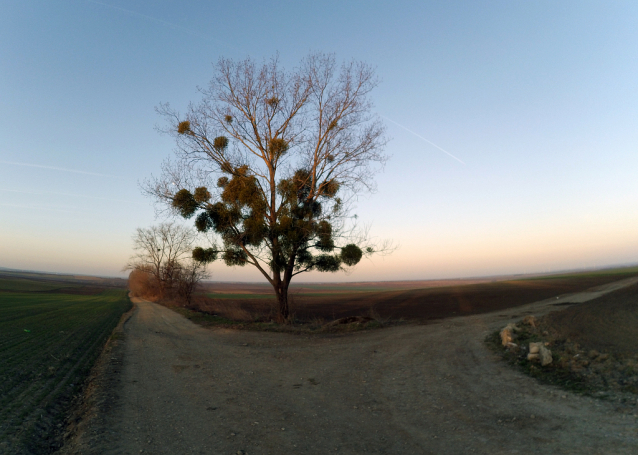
(48, 344)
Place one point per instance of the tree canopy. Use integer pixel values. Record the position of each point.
(269, 161)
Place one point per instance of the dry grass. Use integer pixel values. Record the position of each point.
(244, 320)
(222, 308)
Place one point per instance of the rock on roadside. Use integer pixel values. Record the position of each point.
(538, 351)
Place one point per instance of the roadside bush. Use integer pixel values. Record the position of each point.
(143, 285)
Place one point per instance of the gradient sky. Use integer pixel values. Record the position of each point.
(538, 100)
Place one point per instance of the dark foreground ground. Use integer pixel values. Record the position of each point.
(169, 386)
(506, 299)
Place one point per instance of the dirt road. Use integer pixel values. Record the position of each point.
(177, 388)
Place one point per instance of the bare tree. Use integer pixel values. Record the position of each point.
(160, 251)
(289, 152)
(188, 276)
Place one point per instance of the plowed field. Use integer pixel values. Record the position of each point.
(607, 324)
(424, 303)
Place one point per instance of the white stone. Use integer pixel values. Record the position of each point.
(507, 334)
(546, 356)
(534, 348)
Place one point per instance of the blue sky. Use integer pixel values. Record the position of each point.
(539, 100)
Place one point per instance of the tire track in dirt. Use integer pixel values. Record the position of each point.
(421, 389)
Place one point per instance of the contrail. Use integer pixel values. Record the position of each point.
(67, 194)
(75, 171)
(32, 207)
(421, 137)
(159, 21)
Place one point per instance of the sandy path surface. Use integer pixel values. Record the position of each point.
(417, 389)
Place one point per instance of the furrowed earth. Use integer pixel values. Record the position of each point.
(416, 301)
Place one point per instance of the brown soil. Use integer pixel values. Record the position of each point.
(174, 387)
(420, 304)
(608, 324)
(593, 345)
(302, 287)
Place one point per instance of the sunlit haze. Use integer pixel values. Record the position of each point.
(514, 145)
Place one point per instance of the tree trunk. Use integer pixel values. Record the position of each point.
(282, 298)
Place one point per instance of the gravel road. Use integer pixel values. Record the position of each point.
(172, 387)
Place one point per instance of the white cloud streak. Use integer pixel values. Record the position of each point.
(38, 207)
(159, 21)
(421, 137)
(62, 169)
(54, 193)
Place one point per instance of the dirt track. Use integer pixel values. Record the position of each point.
(178, 388)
